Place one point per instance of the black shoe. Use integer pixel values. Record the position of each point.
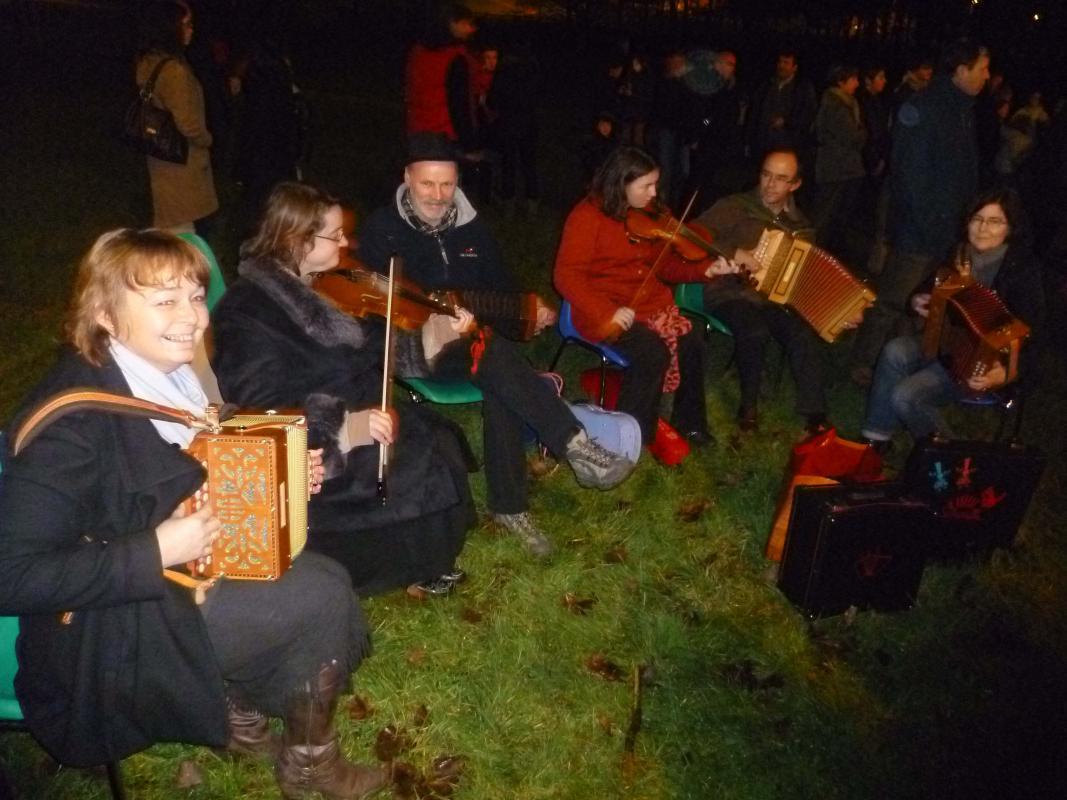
(816, 423)
(747, 420)
(455, 576)
(882, 447)
(437, 587)
(699, 439)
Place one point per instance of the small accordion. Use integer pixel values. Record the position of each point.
(969, 329)
(811, 282)
(257, 479)
(257, 484)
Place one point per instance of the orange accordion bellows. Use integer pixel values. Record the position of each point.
(811, 282)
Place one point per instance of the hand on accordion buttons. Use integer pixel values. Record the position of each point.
(920, 303)
(186, 537)
(993, 378)
(721, 266)
(316, 471)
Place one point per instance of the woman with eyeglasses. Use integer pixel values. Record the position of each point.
(183, 195)
(279, 344)
(909, 390)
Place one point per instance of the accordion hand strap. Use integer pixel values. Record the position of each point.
(59, 405)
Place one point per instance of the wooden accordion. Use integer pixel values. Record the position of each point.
(969, 329)
(811, 282)
(257, 484)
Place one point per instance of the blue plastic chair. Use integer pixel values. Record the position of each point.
(569, 334)
(11, 717)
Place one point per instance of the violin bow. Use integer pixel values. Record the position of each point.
(387, 368)
(659, 258)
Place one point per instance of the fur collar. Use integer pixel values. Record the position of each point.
(321, 321)
(315, 316)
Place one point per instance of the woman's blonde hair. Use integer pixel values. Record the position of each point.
(119, 260)
(292, 216)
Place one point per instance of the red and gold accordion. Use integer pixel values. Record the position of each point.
(969, 329)
(811, 282)
(257, 484)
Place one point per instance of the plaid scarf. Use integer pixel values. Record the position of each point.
(420, 224)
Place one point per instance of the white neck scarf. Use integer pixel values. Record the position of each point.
(177, 389)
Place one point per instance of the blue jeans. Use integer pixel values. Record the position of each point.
(908, 390)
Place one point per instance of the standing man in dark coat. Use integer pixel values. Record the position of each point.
(783, 111)
(933, 176)
(446, 245)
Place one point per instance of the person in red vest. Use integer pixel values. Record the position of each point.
(438, 87)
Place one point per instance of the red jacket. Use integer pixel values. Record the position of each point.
(598, 270)
(426, 91)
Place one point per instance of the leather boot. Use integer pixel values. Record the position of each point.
(311, 759)
(249, 732)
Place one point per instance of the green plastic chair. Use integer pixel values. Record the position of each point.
(11, 717)
(689, 297)
(217, 284)
(449, 393)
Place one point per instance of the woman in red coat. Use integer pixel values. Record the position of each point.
(602, 272)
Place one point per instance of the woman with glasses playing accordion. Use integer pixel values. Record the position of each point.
(113, 657)
(910, 387)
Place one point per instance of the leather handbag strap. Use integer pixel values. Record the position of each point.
(59, 405)
(150, 84)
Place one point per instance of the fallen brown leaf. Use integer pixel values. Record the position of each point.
(189, 775)
(444, 774)
(406, 781)
(471, 615)
(390, 743)
(576, 604)
(605, 722)
(617, 555)
(693, 509)
(359, 708)
(603, 667)
(541, 467)
(422, 713)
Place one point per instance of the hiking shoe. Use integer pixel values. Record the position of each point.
(522, 526)
(596, 467)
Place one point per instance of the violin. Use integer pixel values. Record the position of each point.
(361, 292)
(690, 241)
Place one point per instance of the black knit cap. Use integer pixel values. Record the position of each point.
(428, 146)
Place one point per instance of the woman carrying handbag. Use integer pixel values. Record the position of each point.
(183, 195)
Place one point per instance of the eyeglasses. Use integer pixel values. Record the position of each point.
(993, 222)
(770, 176)
(336, 237)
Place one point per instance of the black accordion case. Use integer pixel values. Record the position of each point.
(861, 545)
(978, 492)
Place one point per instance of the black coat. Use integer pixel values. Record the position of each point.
(934, 172)
(80, 508)
(279, 345)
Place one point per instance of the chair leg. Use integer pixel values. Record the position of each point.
(603, 380)
(559, 352)
(114, 780)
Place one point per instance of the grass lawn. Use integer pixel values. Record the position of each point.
(527, 674)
